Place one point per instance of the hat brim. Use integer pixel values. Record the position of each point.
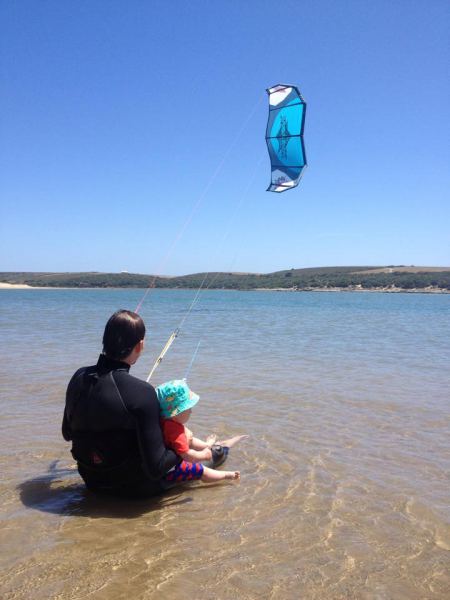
(193, 399)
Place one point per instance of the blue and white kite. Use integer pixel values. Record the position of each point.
(284, 137)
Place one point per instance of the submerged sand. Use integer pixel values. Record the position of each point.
(344, 490)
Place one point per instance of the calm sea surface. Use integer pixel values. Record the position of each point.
(345, 478)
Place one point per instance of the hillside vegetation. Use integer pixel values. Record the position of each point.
(391, 277)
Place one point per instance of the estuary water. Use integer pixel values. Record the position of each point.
(345, 478)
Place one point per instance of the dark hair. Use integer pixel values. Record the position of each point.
(122, 332)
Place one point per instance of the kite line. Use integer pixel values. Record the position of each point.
(176, 332)
(284, 138)
(198, 203)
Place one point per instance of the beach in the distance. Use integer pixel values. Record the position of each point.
(15, 286)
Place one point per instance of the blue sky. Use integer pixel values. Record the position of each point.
(115, 116)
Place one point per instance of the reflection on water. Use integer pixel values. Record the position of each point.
(345, 478)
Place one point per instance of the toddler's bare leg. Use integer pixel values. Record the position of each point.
(210, 475)
(233, 440)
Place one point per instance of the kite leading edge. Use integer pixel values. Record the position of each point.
(284, 137)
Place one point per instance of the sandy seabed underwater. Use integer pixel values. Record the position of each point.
(345, 478)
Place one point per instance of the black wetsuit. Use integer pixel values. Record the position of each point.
(112, 419)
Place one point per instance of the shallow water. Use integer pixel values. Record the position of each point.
(345, 479)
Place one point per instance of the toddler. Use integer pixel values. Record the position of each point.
(175, 402)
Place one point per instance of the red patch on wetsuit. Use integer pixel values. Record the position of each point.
(96, 458)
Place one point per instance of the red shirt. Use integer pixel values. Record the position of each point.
(174, 436)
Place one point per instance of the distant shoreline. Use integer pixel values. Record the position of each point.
(387, 279)
(384, 290)
(16, 286)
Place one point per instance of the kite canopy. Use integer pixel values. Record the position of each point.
(284, 137)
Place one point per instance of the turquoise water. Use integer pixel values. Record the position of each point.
(345, 478)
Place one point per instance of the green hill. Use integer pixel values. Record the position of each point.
(347, 278)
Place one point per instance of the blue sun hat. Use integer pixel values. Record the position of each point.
(175, 397)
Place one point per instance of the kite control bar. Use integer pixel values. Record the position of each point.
(163, 352)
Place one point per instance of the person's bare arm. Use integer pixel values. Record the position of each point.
(197, 444)
(195, 456)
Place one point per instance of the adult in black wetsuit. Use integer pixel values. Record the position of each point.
(112, 418)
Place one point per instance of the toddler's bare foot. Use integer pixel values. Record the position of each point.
(233, 440)
(211, 475)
